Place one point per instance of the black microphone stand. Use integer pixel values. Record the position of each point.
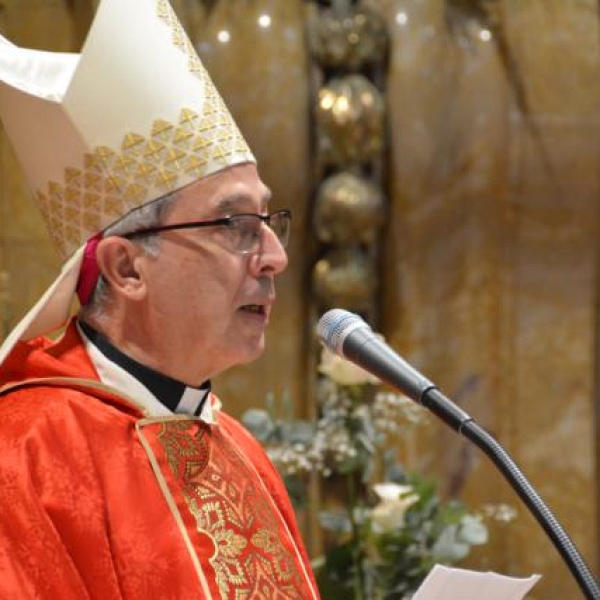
(460, 421)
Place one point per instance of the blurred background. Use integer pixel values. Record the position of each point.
(441, 159)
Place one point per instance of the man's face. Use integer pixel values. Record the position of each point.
(211, 303)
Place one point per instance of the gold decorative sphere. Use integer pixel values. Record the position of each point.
(348, 209)
(345, 277)
(350, 121)
(350, 39)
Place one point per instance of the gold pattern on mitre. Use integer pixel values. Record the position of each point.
(180, 37)
(113, 182)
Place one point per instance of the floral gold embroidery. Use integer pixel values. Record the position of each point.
(251, 559)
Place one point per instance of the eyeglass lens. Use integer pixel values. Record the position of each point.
(246, 230)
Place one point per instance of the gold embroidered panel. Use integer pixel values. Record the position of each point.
(253, 554)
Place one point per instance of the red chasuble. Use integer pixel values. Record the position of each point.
(100, 501)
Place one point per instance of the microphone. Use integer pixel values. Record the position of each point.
(346, 334)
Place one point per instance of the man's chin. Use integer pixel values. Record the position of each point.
(255, 352)
(248, 350)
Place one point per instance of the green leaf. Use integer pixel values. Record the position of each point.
(336, 521)
(260, 423)
(297, 432)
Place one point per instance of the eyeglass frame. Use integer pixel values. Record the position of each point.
(221, 221)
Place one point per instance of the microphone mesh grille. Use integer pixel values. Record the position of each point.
(334, 325)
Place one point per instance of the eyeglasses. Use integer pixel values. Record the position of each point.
(242, 232)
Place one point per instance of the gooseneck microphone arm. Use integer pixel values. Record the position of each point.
(346, 334)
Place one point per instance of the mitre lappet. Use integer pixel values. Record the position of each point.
(131, 118)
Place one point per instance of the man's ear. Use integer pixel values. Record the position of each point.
(119, 262)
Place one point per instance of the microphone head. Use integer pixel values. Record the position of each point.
(335, 325)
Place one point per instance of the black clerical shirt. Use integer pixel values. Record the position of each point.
(173, 394)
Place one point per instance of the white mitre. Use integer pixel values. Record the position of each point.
(98, 134)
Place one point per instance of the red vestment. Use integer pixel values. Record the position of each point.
(100, 501)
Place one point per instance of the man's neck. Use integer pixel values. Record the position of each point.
(174, 394)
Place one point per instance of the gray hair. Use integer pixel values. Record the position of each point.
(147, 215)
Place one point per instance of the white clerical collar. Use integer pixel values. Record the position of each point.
(159, 395)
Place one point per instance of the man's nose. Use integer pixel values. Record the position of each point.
(272, 256)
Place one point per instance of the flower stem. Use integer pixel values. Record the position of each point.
(357, 552)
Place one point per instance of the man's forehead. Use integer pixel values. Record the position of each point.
(222, 196)
(236, 201)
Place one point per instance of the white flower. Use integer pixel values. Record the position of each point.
(342, 371)
(394, 501)
(500, 512)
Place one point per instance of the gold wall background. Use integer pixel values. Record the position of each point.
(491, 270)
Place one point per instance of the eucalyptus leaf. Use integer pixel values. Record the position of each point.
(472, 531)
(447, 548)
(335, 521)
(297, 432)
(260, 423)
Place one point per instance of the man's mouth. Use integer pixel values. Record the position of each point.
(258, 309)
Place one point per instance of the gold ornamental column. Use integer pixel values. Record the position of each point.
(348, 45)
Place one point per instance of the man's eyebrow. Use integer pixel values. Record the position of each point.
(233, 202)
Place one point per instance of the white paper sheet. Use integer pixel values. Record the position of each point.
(445, 583)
